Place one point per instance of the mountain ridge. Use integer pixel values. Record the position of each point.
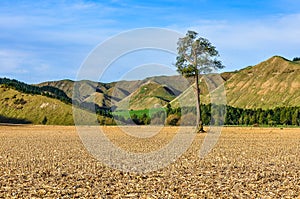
(249, 87)
(269, 84)
(272, 83)
(148, 95)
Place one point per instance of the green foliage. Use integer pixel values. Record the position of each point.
(188, 119)
(196, 55)
(212, 114)
(10, 120)
(20, 101)
(47, 91)
(139, 117)
(45, 120)
(296, 59)
(271, 117)
(102, 120)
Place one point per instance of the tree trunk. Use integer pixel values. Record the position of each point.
(198, 106)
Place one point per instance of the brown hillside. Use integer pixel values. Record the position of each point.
(274, 82)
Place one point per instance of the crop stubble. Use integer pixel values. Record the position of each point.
(51, 162)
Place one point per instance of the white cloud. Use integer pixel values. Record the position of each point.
(252, 34)
(243, 43)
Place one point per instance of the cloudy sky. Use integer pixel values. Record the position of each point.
(50, 40)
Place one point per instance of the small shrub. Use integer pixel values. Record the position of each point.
(45, 120)
(172, 120)
(20, 101)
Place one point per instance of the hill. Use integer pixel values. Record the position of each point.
(269, 84)
(107, 95)
(272, 83)
(208, 83)
(49, 91)
(148, 95)
(64, 85)
(17, 107)
(28, 104)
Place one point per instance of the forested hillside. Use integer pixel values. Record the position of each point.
(48, 91)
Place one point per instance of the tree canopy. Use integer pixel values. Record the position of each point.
(196, 55)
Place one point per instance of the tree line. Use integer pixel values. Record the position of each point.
(217, 115)
(47, 91)
(296, 59)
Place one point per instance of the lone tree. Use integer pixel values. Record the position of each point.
(196, 55)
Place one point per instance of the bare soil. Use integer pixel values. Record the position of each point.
(51, 162)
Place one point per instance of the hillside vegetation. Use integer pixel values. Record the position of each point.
(49, 91)
(34, 109)
(23, 108)
(149, 95)
(272, 83)
(252, 90)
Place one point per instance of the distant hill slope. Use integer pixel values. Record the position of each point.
(148, 95)
(34, 109)
(108, 94)
(24, 103)
(188, 98)
(65, 85)
(176, 83)
(49, 91)
(272, 83)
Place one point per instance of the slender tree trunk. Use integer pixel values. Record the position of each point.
(198, 106)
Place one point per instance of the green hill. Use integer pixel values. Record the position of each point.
(32, 108)
(29, 104)
(49, 91)
(149, 95)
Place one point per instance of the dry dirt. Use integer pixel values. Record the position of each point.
(51, 162)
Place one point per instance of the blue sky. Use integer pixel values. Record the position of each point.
(49, 40)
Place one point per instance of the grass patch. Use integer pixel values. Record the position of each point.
(129, 113)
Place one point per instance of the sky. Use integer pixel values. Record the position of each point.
(51, 40)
